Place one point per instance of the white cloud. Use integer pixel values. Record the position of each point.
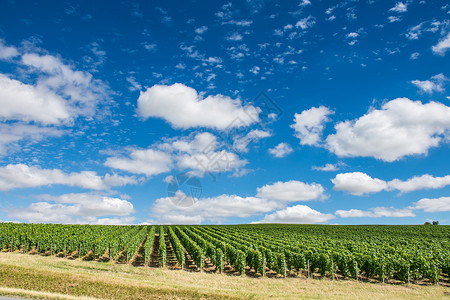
(201, 30)
(393, 19)
(377, 212)
(182, 107)
(414, 55)
(213, 209)
(281, 150)
(23, 176)
(241, 143)
(234, 37)
(419, 183)
(358, 183)
(12, 134)
(352, 35)
(148, 162)
(400, 7)
(29, 103)
(442, 47)
(76, 209)
(199, 152)
(434, 84)
(7, 52)
(306, 23)
(329, 167)
(433, 205)
(291, 191)
(309, 124)
(305, 3)
(80, 90)
(400, 128)
(299, 214)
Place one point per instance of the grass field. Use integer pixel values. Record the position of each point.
(42, 277)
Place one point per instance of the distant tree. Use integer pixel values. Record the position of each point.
(435, 222)
(427, 223)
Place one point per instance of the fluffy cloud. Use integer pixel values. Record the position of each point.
(281, 150)
(7, 52)
(214, 209)
(148, 162)
(31, 103)
(183, 107)
(201, 153)
(442, 47)
(358, 183)
(419, 183)
(23, 176)
(434, 84)
(433, 205)
(76, 208)
(306, 23)
(291, 191)
(377, 212)
(309, 124)
(400, 7)
(299, 214)
(400, 128)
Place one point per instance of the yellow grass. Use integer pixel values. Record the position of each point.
(55, 278)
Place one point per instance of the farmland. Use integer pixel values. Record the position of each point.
(390, 254)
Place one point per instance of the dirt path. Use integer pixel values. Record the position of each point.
(154, 261)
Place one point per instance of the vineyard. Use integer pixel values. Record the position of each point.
(380, 253)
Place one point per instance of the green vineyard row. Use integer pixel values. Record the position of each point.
(380, 252)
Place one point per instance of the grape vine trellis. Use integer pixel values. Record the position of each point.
(405, 253)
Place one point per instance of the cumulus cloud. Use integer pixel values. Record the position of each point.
(358, 183)
(28, 103)
(299, 214)
(433, 205)
(183, 107)
(309, 124)
(401, 127)
(377, 212)
(213, 209)
(148, 162)
(400, 7)
(419, 183)
(291, 191)
(7, 52)
(442, 47)
(23, 176)
(200, 152)
(306, 23)
(281, 150)
(81, 208)
(434, 84)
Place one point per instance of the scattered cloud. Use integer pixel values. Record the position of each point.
(281, 150)
(358, 183)
(309, 124)
(7, 52)
(329, 167)
(183, 107)
(291, 191)
(306, 23)
(378, 212)
(81, 208)
(23, 176)
(434, 84)
(298, 214)
(433, 205)
(401, 127)
(400, 7)
(442, 47)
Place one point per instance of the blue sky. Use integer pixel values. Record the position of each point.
(219, 112)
